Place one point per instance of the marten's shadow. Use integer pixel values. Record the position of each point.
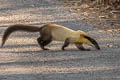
(37, 51)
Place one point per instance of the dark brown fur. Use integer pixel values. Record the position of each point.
(44, 31)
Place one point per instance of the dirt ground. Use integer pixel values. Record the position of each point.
(22, 59)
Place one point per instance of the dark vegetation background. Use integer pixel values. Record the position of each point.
(103, 14)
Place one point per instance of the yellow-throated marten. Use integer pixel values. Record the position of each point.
(50, 32)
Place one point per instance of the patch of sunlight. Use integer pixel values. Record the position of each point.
(52, 69)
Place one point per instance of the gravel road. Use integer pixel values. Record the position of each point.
(22, 59)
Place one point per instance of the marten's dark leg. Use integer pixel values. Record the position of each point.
(43, 41)
(66, 43)
(80, 47)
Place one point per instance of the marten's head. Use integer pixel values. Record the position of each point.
(92, 41)
(84, 38)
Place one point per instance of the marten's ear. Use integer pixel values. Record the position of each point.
(94, 42)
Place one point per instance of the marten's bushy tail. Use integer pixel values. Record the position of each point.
(19, 27)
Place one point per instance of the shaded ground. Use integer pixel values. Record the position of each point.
(22, 59)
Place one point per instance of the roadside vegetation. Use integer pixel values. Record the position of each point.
(103, 14)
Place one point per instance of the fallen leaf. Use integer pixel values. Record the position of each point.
(109, 45)
(85, 13)
(109, 30)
